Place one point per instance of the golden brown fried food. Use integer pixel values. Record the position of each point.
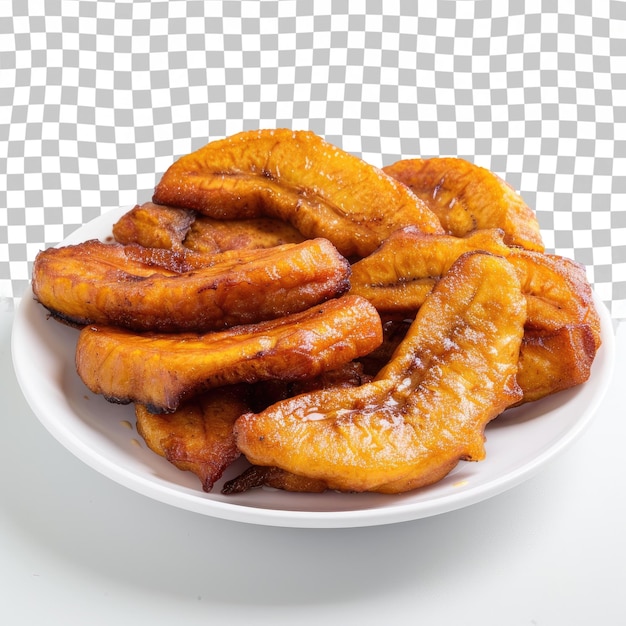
(427, 409)
(326, 397)
(398, 277)
(198, 437)
(400, 274)
(157, 226)
(260, 232)
(154, 226)
(554, 360)
(266, 393)
(97, 283)
(161, 370)
(298, 177)
(562, 332)
(557, 291)
(466, 197)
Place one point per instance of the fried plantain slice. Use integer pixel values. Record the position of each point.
(98, 283)
(157, 226)
(298, 177)
(244, 234)
(554, 360)
(557, 291)
(562, 331)
(264, 394)
(154, 226)
(427, 409)
(350, 375)
(466, 197)
(161, 370)
(198, 436)
(400, 274)
(546, 360)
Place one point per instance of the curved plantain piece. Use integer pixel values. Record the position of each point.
(298, 177)
(466, 197)
(98, 283)
(399, 275)
(557, 292)
(427, 409)
(156, 226)
(161, 370)
(349, 375)
(198, 437)
(554, 360)
(562, 331)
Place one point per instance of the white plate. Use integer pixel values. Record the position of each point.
(103, 435)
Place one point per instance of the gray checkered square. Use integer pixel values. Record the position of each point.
(98, 98)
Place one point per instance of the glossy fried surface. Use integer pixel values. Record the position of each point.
(466, 197)
(154, 225)
(400, 274)
(557, 291)
(427, 409)
(297, 177)
(264, 394)
(554, 360)
(198, 436)
(561, 314)
(562, 331)
(97, 283)
(160, 370)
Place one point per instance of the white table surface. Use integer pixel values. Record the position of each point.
(76, 548)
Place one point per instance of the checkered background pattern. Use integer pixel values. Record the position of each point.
(98, 98)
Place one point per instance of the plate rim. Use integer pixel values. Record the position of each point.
(177, 496)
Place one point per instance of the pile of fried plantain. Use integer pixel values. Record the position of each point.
(341, 326)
